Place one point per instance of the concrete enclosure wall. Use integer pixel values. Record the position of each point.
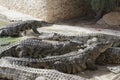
(49, 10)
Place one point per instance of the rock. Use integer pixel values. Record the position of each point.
(101, 22)
(48, 10)
(112, 19)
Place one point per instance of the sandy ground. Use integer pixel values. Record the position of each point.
(71, 27)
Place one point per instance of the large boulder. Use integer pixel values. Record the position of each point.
(48, 10)
(112, 19)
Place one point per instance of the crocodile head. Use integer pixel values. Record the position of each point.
(100, 48)
(104, 46)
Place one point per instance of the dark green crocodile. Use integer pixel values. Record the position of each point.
(15, 29)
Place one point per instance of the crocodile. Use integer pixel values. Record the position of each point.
(82, 37)
(30, 47)
(34, 47)
(110, 56)
(14, 72)
(15, 29)
(63, 37)
(13, 50)
(72, 62)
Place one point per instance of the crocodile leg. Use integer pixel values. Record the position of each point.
(35, 30)
(91, 65)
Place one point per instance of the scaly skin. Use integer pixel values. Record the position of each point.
(110, 56)
(57, 62)
(83, 37)
(70, 63)
(15, 29)
(34, 47)
(15, 72)
(66, 46)
(10, 49)
(56, 49)
(80, 37)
